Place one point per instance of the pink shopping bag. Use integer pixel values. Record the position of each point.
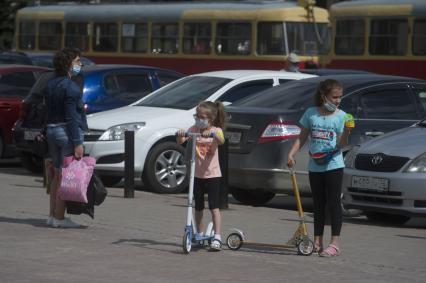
(76, 176)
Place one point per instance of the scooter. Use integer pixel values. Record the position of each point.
(191, 234)
(300, 239)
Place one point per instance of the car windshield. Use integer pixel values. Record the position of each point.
(290, 96)
(184, 94)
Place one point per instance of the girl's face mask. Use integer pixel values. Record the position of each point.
(331, 107)
(201, 123)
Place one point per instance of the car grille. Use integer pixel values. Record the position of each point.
(93, 135)
(375, 199)
(379, 162)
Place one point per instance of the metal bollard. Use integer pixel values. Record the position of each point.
(223, 162)
(129, 164)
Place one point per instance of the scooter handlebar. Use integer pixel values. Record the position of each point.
(191, 134)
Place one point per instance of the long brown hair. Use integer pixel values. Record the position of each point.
(217, 113)
(324, 88)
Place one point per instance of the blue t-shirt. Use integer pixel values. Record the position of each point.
(324, 130)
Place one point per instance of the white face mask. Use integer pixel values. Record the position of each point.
(75, 69)
(201, 123)
(331, 107)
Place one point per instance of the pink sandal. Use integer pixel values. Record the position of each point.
(330, 251)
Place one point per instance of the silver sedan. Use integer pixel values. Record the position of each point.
(386, 177)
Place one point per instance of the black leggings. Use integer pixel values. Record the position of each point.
(326, 190)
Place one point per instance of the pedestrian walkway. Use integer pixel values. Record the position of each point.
(139, 240)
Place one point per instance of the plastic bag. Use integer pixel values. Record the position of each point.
(76, 176)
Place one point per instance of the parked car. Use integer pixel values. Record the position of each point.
(329, 72)
(104, 87)
(263, 127)
(386, 177)
(156, 118)
(13, 57)
(15, 83)
(46, 59)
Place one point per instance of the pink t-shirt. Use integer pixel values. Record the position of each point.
(207, 159)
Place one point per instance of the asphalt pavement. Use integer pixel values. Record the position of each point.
(140, 240)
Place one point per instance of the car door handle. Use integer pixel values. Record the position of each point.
(374, 134)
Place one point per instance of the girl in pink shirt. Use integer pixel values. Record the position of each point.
(210, 119)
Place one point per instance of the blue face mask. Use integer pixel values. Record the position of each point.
(75, 69)
(331, 107)
(201, 123)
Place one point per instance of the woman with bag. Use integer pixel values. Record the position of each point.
(328, 128)
(66, 121)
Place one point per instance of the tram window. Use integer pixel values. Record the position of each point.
(105, 37)
(165, 38)
(389, 104)
(233, 38)
(419, 37)
(197, 38)
(49, 35)
(388, 37)
(270, 39)
(349, 37)
(27, 35)
(134, 37)
(308, 38)
(77, 35)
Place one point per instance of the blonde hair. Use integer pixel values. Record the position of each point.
(216, 112)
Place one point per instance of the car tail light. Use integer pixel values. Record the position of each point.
(86, 108)
(277, 130)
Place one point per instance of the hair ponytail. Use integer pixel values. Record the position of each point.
(217, 112)
(220, 120)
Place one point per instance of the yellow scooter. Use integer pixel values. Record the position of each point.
(300, 239)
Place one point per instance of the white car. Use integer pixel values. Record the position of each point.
(156, 118)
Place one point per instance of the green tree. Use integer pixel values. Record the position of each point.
(8, 10)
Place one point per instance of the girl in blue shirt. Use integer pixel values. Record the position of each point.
(325, 125)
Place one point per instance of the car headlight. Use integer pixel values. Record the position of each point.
(350, 157)
(116, 133)
(418, 165)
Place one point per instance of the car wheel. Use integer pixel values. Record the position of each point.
(165, 168)
(32, 163)
(349, 212)
(386, 218)
(110, 181)
(251, 197)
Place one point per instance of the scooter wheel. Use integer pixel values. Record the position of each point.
(234, 241)
(186, 242)
(305, 247)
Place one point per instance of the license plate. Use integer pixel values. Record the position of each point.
(30, 135)
(370, 183)
(233, 137)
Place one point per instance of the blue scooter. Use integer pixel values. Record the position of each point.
(191, 234)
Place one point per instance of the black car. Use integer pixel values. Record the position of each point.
(13, 57)
(263, 127)
(329, 72)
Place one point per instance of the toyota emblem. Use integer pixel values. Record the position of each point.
(376, 159)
